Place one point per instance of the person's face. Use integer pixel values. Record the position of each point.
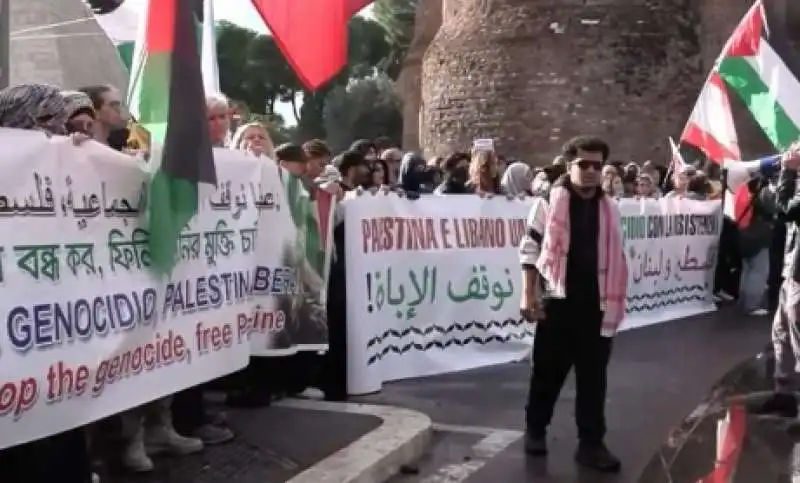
(83, 123)
(681, 181)
(584, 170)
(378, 175)
(314, 166)
(111, 113)
(644, 187)
(361, 174)
(255, 140)
(617, 186)
(295, 167)
(218, 124)
(371, 155)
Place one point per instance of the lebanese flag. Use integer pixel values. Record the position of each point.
(710, 128)
(759, 65)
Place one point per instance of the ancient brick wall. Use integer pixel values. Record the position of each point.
(426, 24)
(532, 73)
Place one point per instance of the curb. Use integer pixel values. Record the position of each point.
(402, 438)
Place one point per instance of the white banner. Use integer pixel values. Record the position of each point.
(671, 246)
(87, 329)
(434, 284)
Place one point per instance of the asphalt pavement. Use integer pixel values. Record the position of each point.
(658, 376)
(272, 445)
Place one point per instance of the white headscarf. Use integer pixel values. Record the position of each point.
(517, 179)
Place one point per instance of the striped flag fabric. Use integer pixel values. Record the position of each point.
(168, 99)
(759, 66)
(124, 25)
(710, 128)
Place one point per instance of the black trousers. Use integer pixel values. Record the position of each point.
(569, 337)
(188, 410)
(59, 458)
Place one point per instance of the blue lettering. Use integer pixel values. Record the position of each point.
(19, 329)
(81, 310)
(43, 325)
(261, 280)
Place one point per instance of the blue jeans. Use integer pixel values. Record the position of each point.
(753, 283)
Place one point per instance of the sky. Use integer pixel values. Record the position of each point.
(240, 12)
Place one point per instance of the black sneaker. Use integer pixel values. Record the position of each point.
(597, 457)
(779, 404)
(535, 445)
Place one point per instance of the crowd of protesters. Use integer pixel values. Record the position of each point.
(183, 423)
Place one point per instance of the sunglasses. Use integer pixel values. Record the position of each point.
(585, 164)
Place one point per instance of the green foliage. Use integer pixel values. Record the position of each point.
(365, 108)
(397, 17)
(254, 71)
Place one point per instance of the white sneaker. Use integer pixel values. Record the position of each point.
(725, 296)
(759, 312)
(163, 438)
(210, 434)
(134, 457)
(95, 478)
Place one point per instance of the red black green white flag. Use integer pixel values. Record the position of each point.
(758, 65)
(168, 99)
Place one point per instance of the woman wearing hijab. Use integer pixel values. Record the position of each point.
(81, 112)
(63, 456)
(517, 180)
(411, 178)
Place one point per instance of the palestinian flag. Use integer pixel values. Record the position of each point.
(123, 26)
(759, 66)
(169, 101)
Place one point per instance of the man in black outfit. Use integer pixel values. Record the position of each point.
(568, 332)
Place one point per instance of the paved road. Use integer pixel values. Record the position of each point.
(658, 375)
(272, 445)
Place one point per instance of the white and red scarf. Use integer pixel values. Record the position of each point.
(612, 270)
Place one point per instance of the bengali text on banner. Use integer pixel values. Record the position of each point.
(88, 329)
(434, 285)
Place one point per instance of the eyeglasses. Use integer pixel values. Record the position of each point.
(585, 164)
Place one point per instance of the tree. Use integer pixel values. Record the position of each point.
(232, 47)
(365, 108)
(397, 18)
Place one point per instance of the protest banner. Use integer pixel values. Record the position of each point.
(671, 246)
(299, 234)
(88, 329)
(433, 286)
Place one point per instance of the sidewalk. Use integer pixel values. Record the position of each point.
(301, 442)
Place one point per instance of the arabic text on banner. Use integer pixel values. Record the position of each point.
(433, 285)
(88, 330)
(671, 246)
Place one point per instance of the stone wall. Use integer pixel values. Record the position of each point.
(426, 24)
(70, 56)
(533, 73)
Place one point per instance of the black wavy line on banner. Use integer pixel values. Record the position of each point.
(679, 300)
(435, 344)
(475, 324)
(664, 293)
